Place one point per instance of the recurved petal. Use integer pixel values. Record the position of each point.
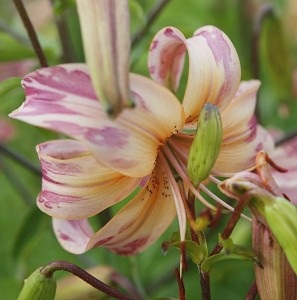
(238, 117)
(74, 184)
(214, 67)
(240, 155)
(136, 226)
(73, 235)
(61, 98)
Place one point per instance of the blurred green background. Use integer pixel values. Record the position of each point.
(265, 36)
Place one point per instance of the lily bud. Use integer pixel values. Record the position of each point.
(276, 279)
(38, 287)
(206, 145)
(275, 212)
(105, 31)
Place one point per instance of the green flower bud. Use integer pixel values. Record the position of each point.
(277, 213)
(206, 145)
(38, 287)
(275, 279)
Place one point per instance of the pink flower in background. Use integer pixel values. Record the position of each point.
(134, 155)
(285, 156)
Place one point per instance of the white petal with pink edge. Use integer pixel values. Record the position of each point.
(75, 185)
(135, 227)
(214, 67)
(61, 98)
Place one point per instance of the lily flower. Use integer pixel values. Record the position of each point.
(139, 155)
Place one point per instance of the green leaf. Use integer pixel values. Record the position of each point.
(229, 251)
(32, 228)
(10, 49)
(274, 52)
(194, 250)
(8, 85)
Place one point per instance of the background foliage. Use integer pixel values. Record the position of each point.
(267, 50)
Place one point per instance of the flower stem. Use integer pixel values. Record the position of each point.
(52, 267)
(231, 223)
(31, 32)
(181, 287)
(152, 15)
(252, 293)
(205, 285)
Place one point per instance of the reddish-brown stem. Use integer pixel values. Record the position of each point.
(152, 15)
(181, 287)
(52, 267)
(231, 223)
(31, 32)
(252, 293)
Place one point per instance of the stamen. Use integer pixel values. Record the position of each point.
(220, 201)
(180, 168)
(176, 165)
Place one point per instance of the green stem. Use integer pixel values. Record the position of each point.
(31, 32)
(52, 267)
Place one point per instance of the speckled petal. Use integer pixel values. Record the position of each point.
(74, 184)
(136, 226)
(214, 67)
(61, 98)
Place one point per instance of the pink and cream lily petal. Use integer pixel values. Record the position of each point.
(136, 226)
(242, 136)
(62, 99)
(214, 67)
(75, 185)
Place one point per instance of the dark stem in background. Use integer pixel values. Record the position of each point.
(67, 56)
(151, 16)
(52, 267)
(16, 183)
(20, 159)
(31, 32)
(287, 137)
(231, 223)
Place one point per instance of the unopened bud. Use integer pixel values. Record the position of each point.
(38, 286)
(277, 213)
(275, 279)
(206, 145)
